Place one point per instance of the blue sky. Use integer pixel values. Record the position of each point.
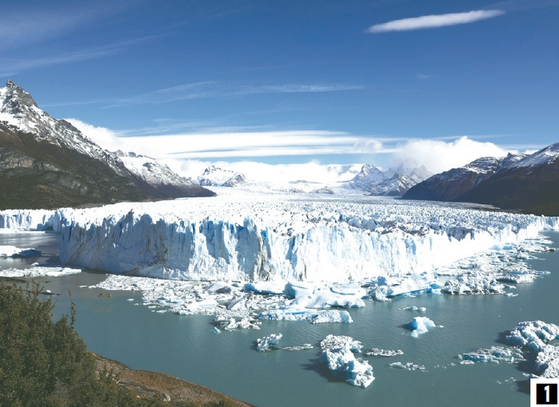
(294, 81)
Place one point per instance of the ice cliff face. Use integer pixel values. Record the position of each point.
(239, 237)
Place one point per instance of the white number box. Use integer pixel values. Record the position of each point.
(544, 392)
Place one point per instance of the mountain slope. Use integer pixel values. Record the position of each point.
(529, 183)
(396, 182)
(48, 163)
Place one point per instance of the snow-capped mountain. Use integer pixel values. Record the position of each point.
(47, 163)
(388, 183)
(333, 179)
(218, 177)
(526, 182)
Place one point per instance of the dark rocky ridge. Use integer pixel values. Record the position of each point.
(48, 163)
(526, 183)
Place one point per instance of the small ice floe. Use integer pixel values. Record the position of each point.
(233, 323)
(473, 283)
(39, 271)
(407, 366)
(268, 342)
(308, 295)
(15, 252)
(304, 346)
(419, 326)
(312, 316)
(494, 354)
(384, 288)
(414, 308)
(383, 352)
(330, 316)
(338, 355)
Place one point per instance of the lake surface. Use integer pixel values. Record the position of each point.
(186, 346)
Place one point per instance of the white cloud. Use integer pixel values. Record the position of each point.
(190, 154)
(279, 174)
(438, 156)
(252, 144)
(104, 137)
(434, 21)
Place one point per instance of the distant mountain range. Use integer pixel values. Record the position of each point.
(48, 163)
(366, 179)
(523, 182)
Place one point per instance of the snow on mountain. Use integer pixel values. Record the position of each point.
(526, 182)
(545, 156)
(150, 170)
(349, 179)
(394, 182)
(214, 176)
(49, 163)
(251, 237)
(20, 111)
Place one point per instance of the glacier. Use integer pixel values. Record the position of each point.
(276, 238)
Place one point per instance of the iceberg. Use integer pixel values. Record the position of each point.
(338, 355)
(383, 352)
(494, 354)
(419, 326)
(533, 335)
(14, 252)
(271, 341)
(330, 316)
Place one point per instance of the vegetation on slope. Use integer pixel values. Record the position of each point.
(45, 363)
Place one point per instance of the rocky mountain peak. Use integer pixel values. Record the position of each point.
(16, 101)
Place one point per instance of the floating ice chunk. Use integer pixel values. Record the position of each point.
(420, 325)
(233, 324)
(304, 346)
(413, 284)
(494, 354)
(264, 344)
(308, 296)
(219, 287)
(338, 355)
(533, 334)
(474, 283)
(14, 252)
(341, 341)
(383, 352)
(415, 308)
(407, 366)
(39, 271)
(266, 287)
(330, 316)
(547, 362)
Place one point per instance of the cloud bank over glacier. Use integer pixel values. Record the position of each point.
(250, 152)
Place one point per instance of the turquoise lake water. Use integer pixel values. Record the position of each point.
(187, 347)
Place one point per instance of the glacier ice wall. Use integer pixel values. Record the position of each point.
(275, 238)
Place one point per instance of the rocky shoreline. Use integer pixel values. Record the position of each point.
(161, 386)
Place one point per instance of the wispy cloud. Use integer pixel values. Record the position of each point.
(213, 89)
(434, 21)
(11, 67)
